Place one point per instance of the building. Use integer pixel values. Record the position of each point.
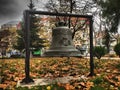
(12, 28)
(12, 25)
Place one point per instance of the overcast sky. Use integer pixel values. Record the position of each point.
(13, 9)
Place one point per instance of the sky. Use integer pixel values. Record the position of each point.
(11, 10)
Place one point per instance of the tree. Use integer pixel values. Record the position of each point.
(106, 40)
(82, 7)
(110, 16)
(35, 41)
(4, 33)
(111, 12)
(19, 45)
(3, 42)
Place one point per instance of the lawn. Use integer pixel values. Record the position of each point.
(107, 73)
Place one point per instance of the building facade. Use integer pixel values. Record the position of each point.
(12, 28)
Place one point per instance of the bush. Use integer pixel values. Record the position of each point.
(98, 80)
(117, 49)
(99, 51)
(97, 88)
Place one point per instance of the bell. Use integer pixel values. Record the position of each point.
(62, 44)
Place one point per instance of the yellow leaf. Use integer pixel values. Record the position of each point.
(48, 87)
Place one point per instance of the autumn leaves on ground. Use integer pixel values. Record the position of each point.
(107, 73)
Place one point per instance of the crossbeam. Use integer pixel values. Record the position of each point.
(58, 14)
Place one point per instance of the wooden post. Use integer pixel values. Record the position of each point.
(91, 48)
(27, 78)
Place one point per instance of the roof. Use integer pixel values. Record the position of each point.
(13, 22)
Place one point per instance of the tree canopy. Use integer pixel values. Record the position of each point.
(35, 41)
(83, 7)
(4, 33)
(111, 12)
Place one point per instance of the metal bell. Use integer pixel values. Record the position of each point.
(62, 44)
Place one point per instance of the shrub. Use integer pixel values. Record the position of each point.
(117, 49)
(99, 51)
(97, 88)
(98, 80)
(118, 66)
